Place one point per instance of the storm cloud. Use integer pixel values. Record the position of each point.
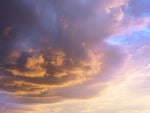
(53, 50)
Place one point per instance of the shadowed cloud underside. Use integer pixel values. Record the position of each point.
(54, 50)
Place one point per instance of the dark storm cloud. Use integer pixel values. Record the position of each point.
(50, 48)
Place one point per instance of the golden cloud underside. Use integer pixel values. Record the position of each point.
(37, 67)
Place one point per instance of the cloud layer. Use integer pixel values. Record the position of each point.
(54, 50)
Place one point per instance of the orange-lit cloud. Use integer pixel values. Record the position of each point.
(33, 66)
(55, 50)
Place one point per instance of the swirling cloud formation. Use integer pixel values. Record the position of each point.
(53, 50)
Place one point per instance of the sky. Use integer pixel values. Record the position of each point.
(74, 56)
